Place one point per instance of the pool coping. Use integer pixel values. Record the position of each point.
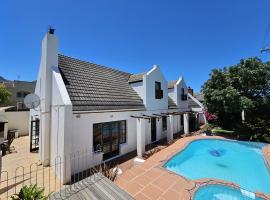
(145, 181)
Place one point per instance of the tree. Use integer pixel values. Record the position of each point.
(245, 86)
(4, 94)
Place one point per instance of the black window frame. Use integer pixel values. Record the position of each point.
(164, 123)
(158, 90)
(183, 95)
(123, 132)
(97, 132)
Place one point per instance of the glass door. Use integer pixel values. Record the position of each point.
(110, 133)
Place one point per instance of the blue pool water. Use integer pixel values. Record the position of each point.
(220, 192)
(239, 162)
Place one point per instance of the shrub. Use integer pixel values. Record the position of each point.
(211, 118)
(31, 192)
(107, 171)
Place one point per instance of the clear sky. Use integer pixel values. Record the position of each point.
(184, 37)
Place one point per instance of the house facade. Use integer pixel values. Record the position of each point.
(104, 111)
(18, 90)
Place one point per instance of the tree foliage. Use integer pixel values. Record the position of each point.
(245, 86)
(4, 94)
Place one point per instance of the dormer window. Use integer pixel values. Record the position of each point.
(159, 92)
(183, 95)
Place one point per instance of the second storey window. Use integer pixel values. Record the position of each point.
(158, 91)
(164, 123)
(183, 95)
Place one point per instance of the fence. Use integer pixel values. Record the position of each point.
(68, 170)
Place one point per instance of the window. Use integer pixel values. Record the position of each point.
(158, 91)
(164, 123)
(97, 137)
(183, 95)
(22, 94)
(19, 94)
(104, 134)
(123, 138)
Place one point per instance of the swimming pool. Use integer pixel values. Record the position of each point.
(239, 162)
(221, 192)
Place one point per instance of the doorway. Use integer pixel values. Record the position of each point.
(153, 129)
(110, 132)
(34, 136)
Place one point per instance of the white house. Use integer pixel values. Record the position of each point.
(85, 106)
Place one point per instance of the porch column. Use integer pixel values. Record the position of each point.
(186, 123)
(5, 130)
(140, 137)
(170, 128)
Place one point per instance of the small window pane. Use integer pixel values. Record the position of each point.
(97, 137)
(122, 132)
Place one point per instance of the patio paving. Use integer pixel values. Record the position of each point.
(150, 181)
(21, 167)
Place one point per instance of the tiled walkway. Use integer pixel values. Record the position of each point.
(150, 181)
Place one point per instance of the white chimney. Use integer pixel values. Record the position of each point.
(49, 59)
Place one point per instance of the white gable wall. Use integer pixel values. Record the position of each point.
(149, 98)
(183, 105)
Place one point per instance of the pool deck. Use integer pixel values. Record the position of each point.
(150, 181)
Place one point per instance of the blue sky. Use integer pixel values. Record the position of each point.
(184, 37)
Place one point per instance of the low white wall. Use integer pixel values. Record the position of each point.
(18, 120)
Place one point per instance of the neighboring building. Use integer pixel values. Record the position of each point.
(103, 111)
(18, 90)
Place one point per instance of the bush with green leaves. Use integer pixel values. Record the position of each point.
(244, 86)
(31, 192)
(4, 94)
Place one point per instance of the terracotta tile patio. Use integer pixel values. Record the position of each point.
(151, 181)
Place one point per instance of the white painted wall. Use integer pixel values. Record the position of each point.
(150, 101)
(138, 87)
(18, 120)
(82, 131)
(61, 123)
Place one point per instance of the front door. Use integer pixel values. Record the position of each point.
(110, 132)
(153, 130)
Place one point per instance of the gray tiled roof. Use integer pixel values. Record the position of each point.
(94, 87)
(192, 103)
(199, 96)
(171, 84)
(171, 103)
(136, 78)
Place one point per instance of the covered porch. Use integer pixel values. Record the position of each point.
(168, 125)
